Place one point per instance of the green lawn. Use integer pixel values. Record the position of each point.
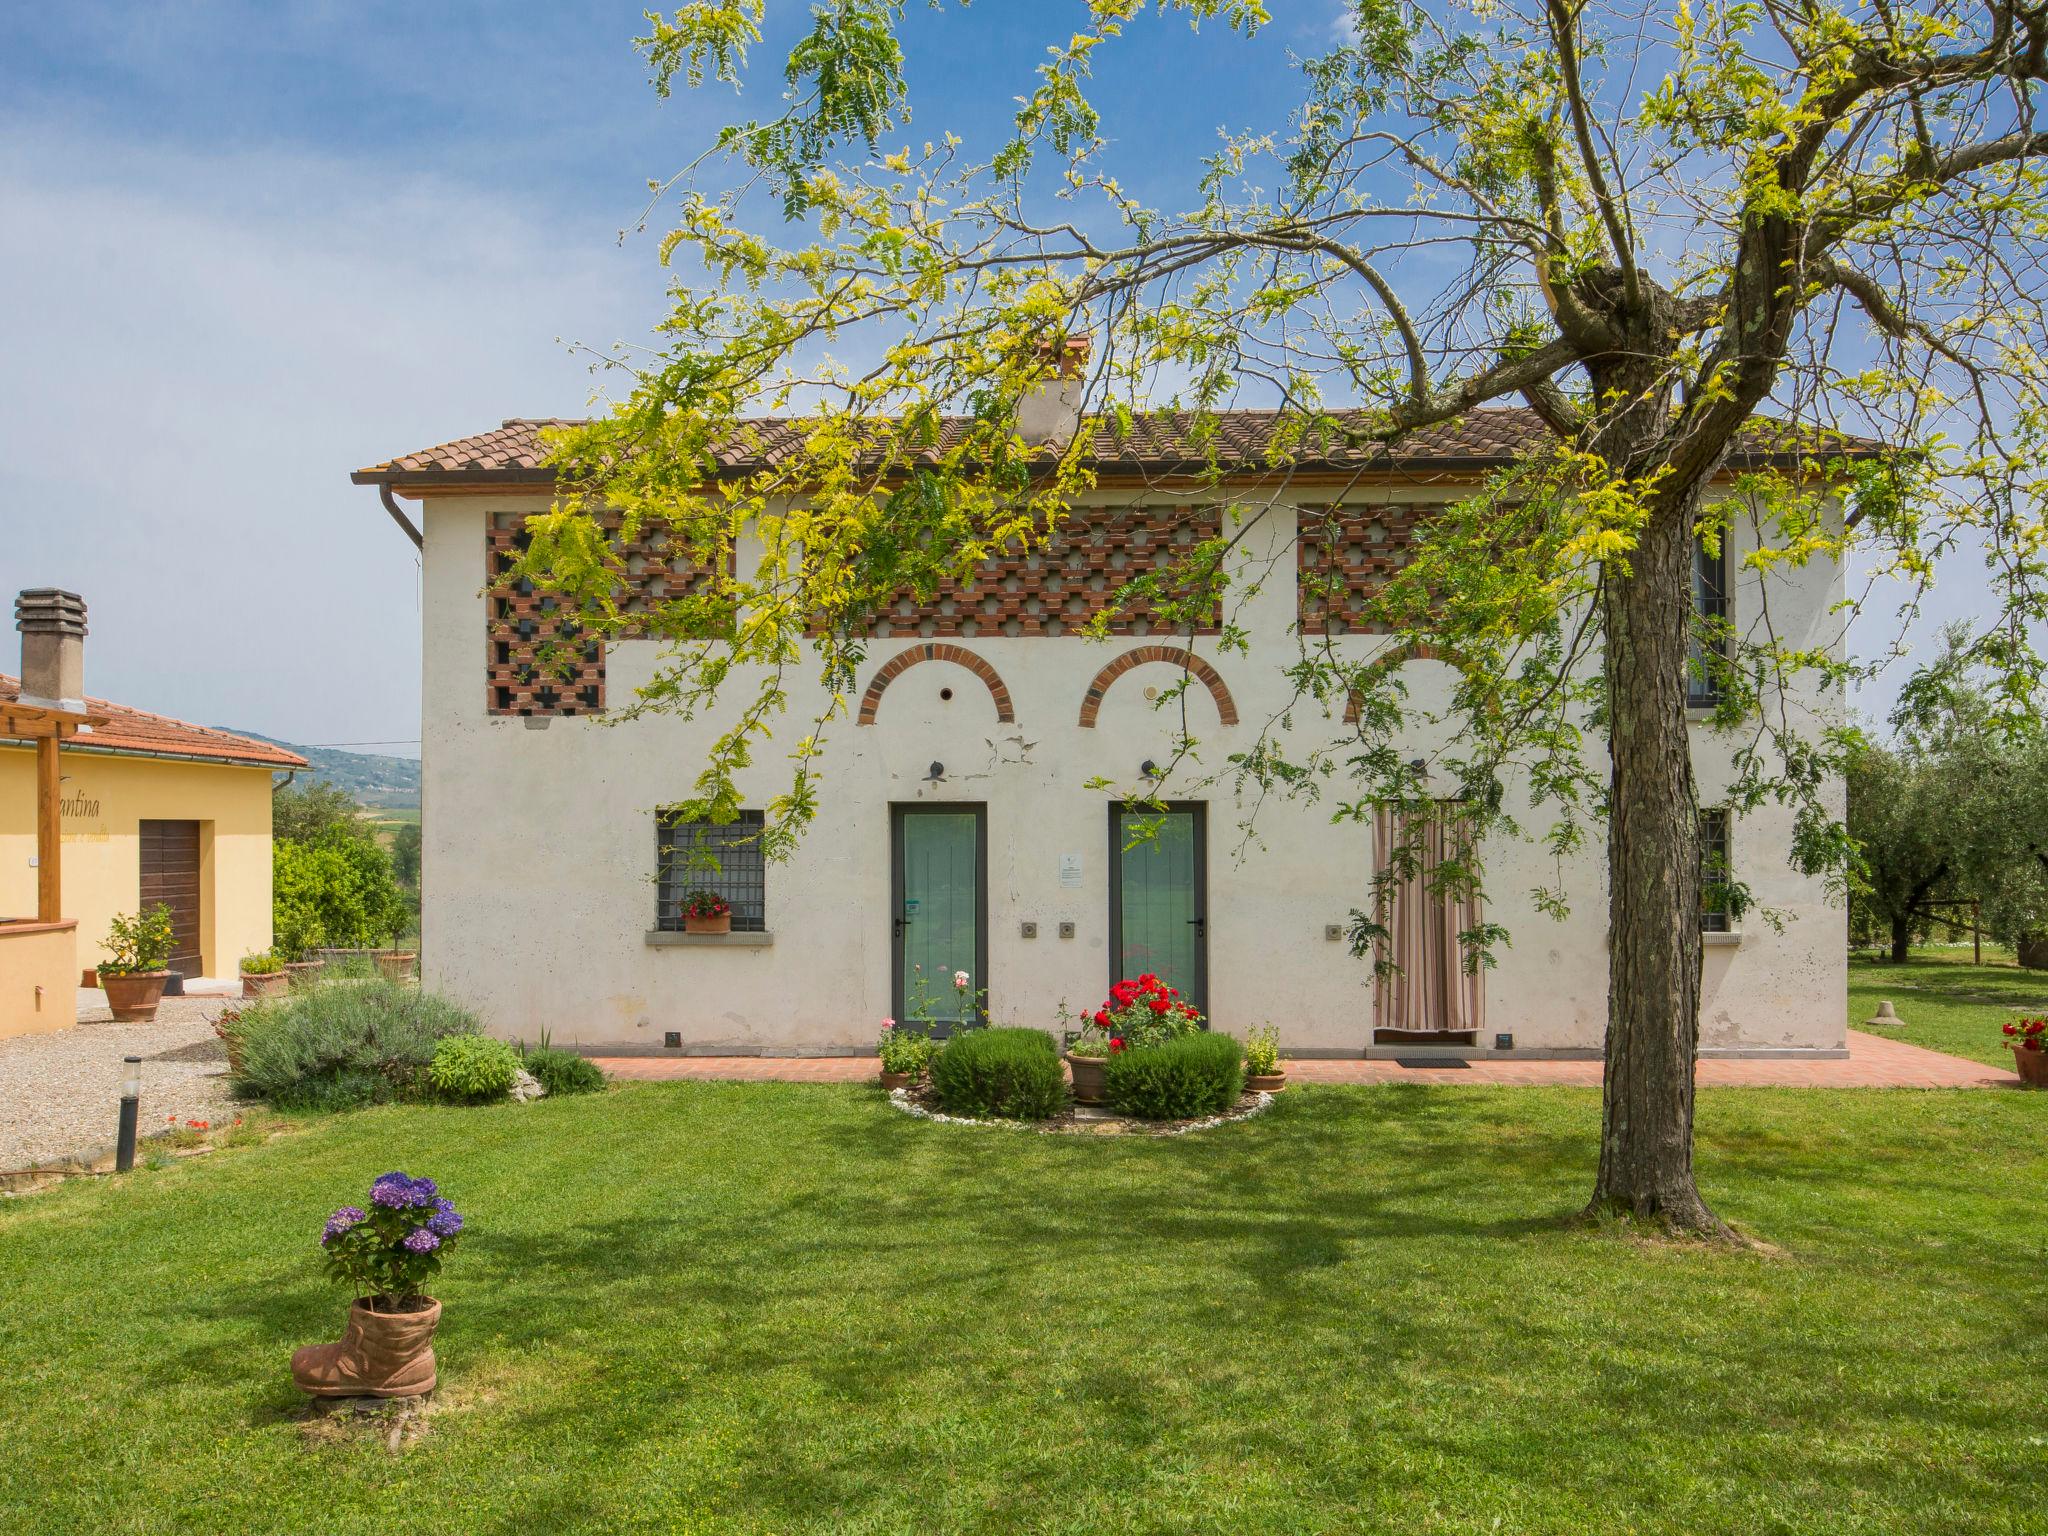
(726, 1307)
(1948, 1004)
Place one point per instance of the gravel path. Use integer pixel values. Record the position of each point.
(60, 1092)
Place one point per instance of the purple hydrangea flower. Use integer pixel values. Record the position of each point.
(420, 1240)
(348, 1216)
(446, 1220)
(400, 1193)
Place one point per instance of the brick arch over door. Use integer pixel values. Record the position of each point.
(1397, 658)
(904, 660)
(1091, 703)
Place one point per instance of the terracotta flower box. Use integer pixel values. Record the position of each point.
(722, 923)
(398, 965)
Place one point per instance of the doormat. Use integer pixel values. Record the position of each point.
(1433, 1063)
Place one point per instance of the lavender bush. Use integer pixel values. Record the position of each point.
(388, 1252)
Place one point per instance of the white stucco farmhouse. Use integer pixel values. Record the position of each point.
(958, 831)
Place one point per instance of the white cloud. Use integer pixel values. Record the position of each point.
(199, 350)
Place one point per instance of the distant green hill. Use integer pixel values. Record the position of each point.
(384, 783)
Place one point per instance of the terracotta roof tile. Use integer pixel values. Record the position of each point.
(1158, 442)
(138, 731)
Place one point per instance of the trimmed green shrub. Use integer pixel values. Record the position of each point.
(342, 1045)
(473, 1069)
(563, 1071)
(1198, 1075)
(1010, 1073)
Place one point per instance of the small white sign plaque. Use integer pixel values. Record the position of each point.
(1070, 871)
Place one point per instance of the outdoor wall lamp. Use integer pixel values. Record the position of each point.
(935, 773)
(131, 1106)
(1419, 767)
(1149, 769)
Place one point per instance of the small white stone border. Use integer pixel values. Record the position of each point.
(901, 1099)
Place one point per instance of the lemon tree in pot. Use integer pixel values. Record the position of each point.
(133, 975)
(386, 1253)
(706, 912)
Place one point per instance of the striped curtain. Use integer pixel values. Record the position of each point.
(1430, 989)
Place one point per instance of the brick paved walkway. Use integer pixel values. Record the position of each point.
(1873, 1062)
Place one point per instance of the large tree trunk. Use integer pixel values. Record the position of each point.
(1902, 938)
(1653, 970)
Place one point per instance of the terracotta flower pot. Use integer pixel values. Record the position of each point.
(134, 996)
(719, 924)
(398, 965)
(2032, 1066)
(304, 970)
(1266, 1082)
(264, 983)
(892, 1080)
(381, 1354)
(1090, 1075)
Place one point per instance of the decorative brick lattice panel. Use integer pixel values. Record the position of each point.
(538, 660)
(1056, 590)
(1342, 556)
(1206, 675)
(911, 656)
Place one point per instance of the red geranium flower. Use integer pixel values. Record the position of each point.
(1159, 1005)
(2012, 1029)
(1116, 1042)
(2035, 1026)
(1102, 1018)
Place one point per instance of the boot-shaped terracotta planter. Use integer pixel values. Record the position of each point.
(383, 1354)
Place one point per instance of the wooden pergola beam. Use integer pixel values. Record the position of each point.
(46, 728)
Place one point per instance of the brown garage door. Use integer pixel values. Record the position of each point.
(170, 874)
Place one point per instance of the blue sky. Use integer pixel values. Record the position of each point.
(251, 246)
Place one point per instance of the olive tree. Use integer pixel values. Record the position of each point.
(1674, 232)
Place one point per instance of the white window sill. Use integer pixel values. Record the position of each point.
(658, 938)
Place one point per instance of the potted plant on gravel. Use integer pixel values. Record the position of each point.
(385, 1253)
(139, 950)
(2029, 1041)
(706, 912)
(906, 1054)
(1262, 1070)
(264, 975)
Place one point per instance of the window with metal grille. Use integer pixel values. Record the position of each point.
(723, 857)
(1716, 873)
(1709, 644)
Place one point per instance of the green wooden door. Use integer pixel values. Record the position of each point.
(1158, 905)
(941, 856)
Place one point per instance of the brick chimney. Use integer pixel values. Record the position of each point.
(1050, 412)
(52, 625)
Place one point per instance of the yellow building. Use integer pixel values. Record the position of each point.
(151, 809)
